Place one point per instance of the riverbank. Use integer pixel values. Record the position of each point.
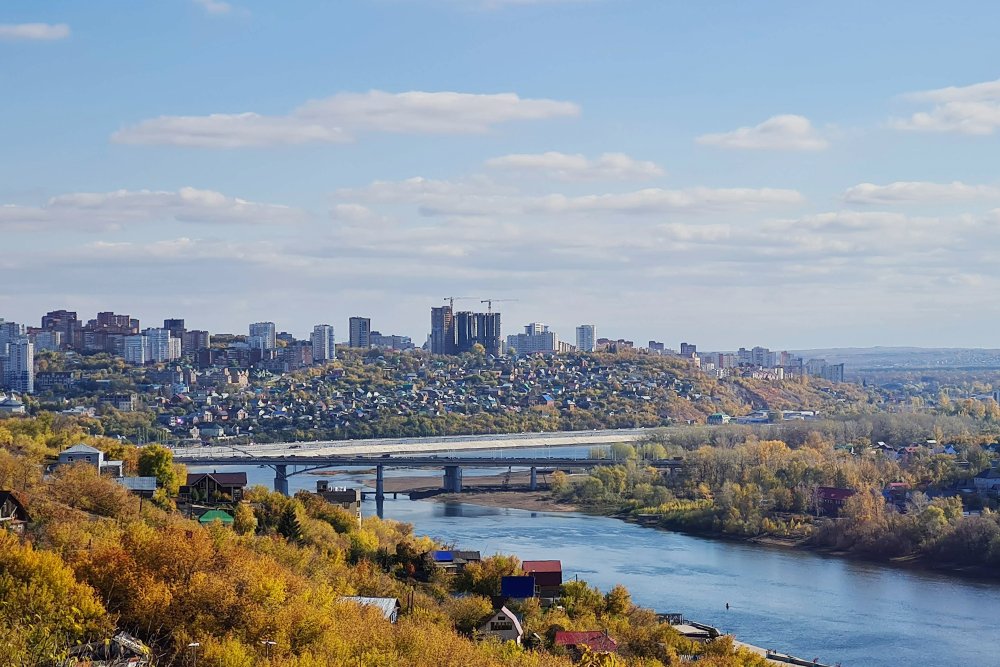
(915, 562)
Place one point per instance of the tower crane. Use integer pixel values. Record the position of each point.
(489, 303)
(452, 299)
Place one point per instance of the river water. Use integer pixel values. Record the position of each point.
(796, 602)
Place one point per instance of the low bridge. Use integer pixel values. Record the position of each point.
(452, 465)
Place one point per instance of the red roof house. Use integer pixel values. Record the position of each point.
(595, 640)
(547, 573)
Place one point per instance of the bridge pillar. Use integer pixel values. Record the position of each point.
(379, 484)
(452, 479)
(281, 479)
(534, 479)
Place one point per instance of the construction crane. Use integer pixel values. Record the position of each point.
(452, 299)
(490, 302)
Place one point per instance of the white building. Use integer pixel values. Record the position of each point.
(163, 346)
(262, 336)
(389, 341)
(536, 338)
(504, 626)
(137, 350)
(48, 341)
(19, 366)
(586, 337)
(324, 346)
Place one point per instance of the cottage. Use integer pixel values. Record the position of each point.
(517, 587)
(595, 640)
(389, 606)
(144, 487)
(454, 562)
(13, 516)
(503, 625)
(547, 574)
(349, 499)
(718, 418)
(987, 479)
(91, 456)
(214, 486)
(830, 500)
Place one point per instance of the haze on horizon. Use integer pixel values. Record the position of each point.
(732, 174)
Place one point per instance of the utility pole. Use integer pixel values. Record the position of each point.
(267, 648)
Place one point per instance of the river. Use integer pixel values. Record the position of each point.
(797, 602)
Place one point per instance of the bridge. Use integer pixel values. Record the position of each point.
(452, 465)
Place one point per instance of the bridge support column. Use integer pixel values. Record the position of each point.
(533, 486)
(281, 479)
(452, 479)
(379, 483)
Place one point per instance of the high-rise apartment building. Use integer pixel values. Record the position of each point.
(443, 331)
(62, 321)
(586, 337)
(195, 340)
(361, 331)
(482, 328)
(176, 327)
(137, 350)
(19, 366)
(688, 350)
(48, 341)
(390, 341)
(536, 339)
(162, 346)
(262, 336)
(324, 345)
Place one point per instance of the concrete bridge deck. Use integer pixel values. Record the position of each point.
(452, 443)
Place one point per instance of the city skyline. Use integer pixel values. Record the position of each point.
(664, 168)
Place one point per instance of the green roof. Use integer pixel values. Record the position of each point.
(212, 515)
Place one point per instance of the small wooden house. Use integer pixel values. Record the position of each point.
(503, 625)
(13, 516)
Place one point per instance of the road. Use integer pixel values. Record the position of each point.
(377, 447)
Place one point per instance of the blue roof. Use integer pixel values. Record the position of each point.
(443, 556)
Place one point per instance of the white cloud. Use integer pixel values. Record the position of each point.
(339, 117)
(780, 133)
(215, 7)
(227, 131)
(903, 192)
(480, 199)
(971, 109)
(41, 31)
(113, 210)
(608, 167)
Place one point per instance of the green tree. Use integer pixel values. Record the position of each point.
(288, 523)
(158, 461)
(245, 522)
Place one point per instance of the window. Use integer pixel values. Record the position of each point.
(88, 459)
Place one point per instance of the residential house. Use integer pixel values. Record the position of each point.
(389, 606)
(830, 500)
(211, 486)
(519, 588)
(91, 456)
(987, 480)
(597, 641)
(718, 418)
(349, 499)
(504, 625)
(547, 574)
(454, 562)
(13, 516)
(144, 487)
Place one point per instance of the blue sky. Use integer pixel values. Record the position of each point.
(783, 174)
